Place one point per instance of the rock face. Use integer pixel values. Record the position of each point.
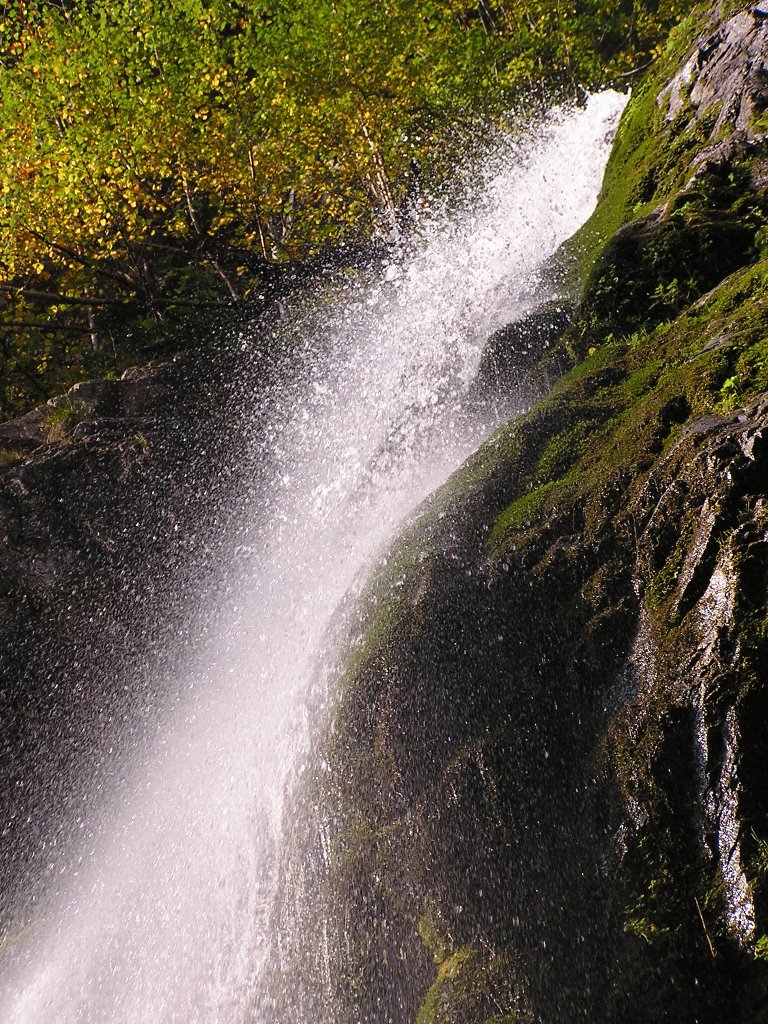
(725, 76)
(111, 522)
(542, 794)
(511, 352)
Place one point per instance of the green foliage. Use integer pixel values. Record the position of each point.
(156, 155)
(729, 394)
(760, 859)
(646, 929)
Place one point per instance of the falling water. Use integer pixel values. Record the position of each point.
(161, 911)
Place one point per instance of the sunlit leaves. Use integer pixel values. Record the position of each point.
(117, 112)
(130, 129)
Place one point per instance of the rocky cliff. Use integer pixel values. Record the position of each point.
(115, 504)
(543, 793)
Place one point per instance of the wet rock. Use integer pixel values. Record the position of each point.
(512, 352)
(24, 433)
(548, 746)
(106, 530)
(726, 72)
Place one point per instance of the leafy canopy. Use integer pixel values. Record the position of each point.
(156, 155)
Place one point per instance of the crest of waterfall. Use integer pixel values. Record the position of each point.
(161, 911)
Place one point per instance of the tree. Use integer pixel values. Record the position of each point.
(156, 154)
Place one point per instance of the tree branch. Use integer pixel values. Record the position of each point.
(44, 325)
(69, 300)
(123, 279)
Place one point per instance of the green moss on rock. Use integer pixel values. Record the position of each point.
(544, 678)
(474, 988)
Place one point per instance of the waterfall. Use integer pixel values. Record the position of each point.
(161, 913)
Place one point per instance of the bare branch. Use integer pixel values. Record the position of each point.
(69, 300)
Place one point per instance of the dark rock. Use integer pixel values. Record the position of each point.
(26, 432)
(547, 748)
(94, 397)
(513, 351)
(142, 392)
(110, 527)
(109, 427)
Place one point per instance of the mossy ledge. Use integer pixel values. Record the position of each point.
(542, 795)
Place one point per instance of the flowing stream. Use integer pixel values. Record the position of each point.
(161, 912)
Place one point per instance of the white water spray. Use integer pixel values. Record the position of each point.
(162, 914)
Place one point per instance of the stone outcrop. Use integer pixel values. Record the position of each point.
(511, 353)
(542, 795)
(111, 520)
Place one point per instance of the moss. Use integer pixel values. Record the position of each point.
(629, 184)
(389, 599)
(365, 848)
(477, 987)
(505, 448)
(751, 369)
(434, 936)
(611, 415)
(595, 359)
(653, 270)
(385, 611)
(10, 456)
(641, 382)
(563, 451)
(520, 515)
(450, 971)
(663, 584)
(724, 335)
